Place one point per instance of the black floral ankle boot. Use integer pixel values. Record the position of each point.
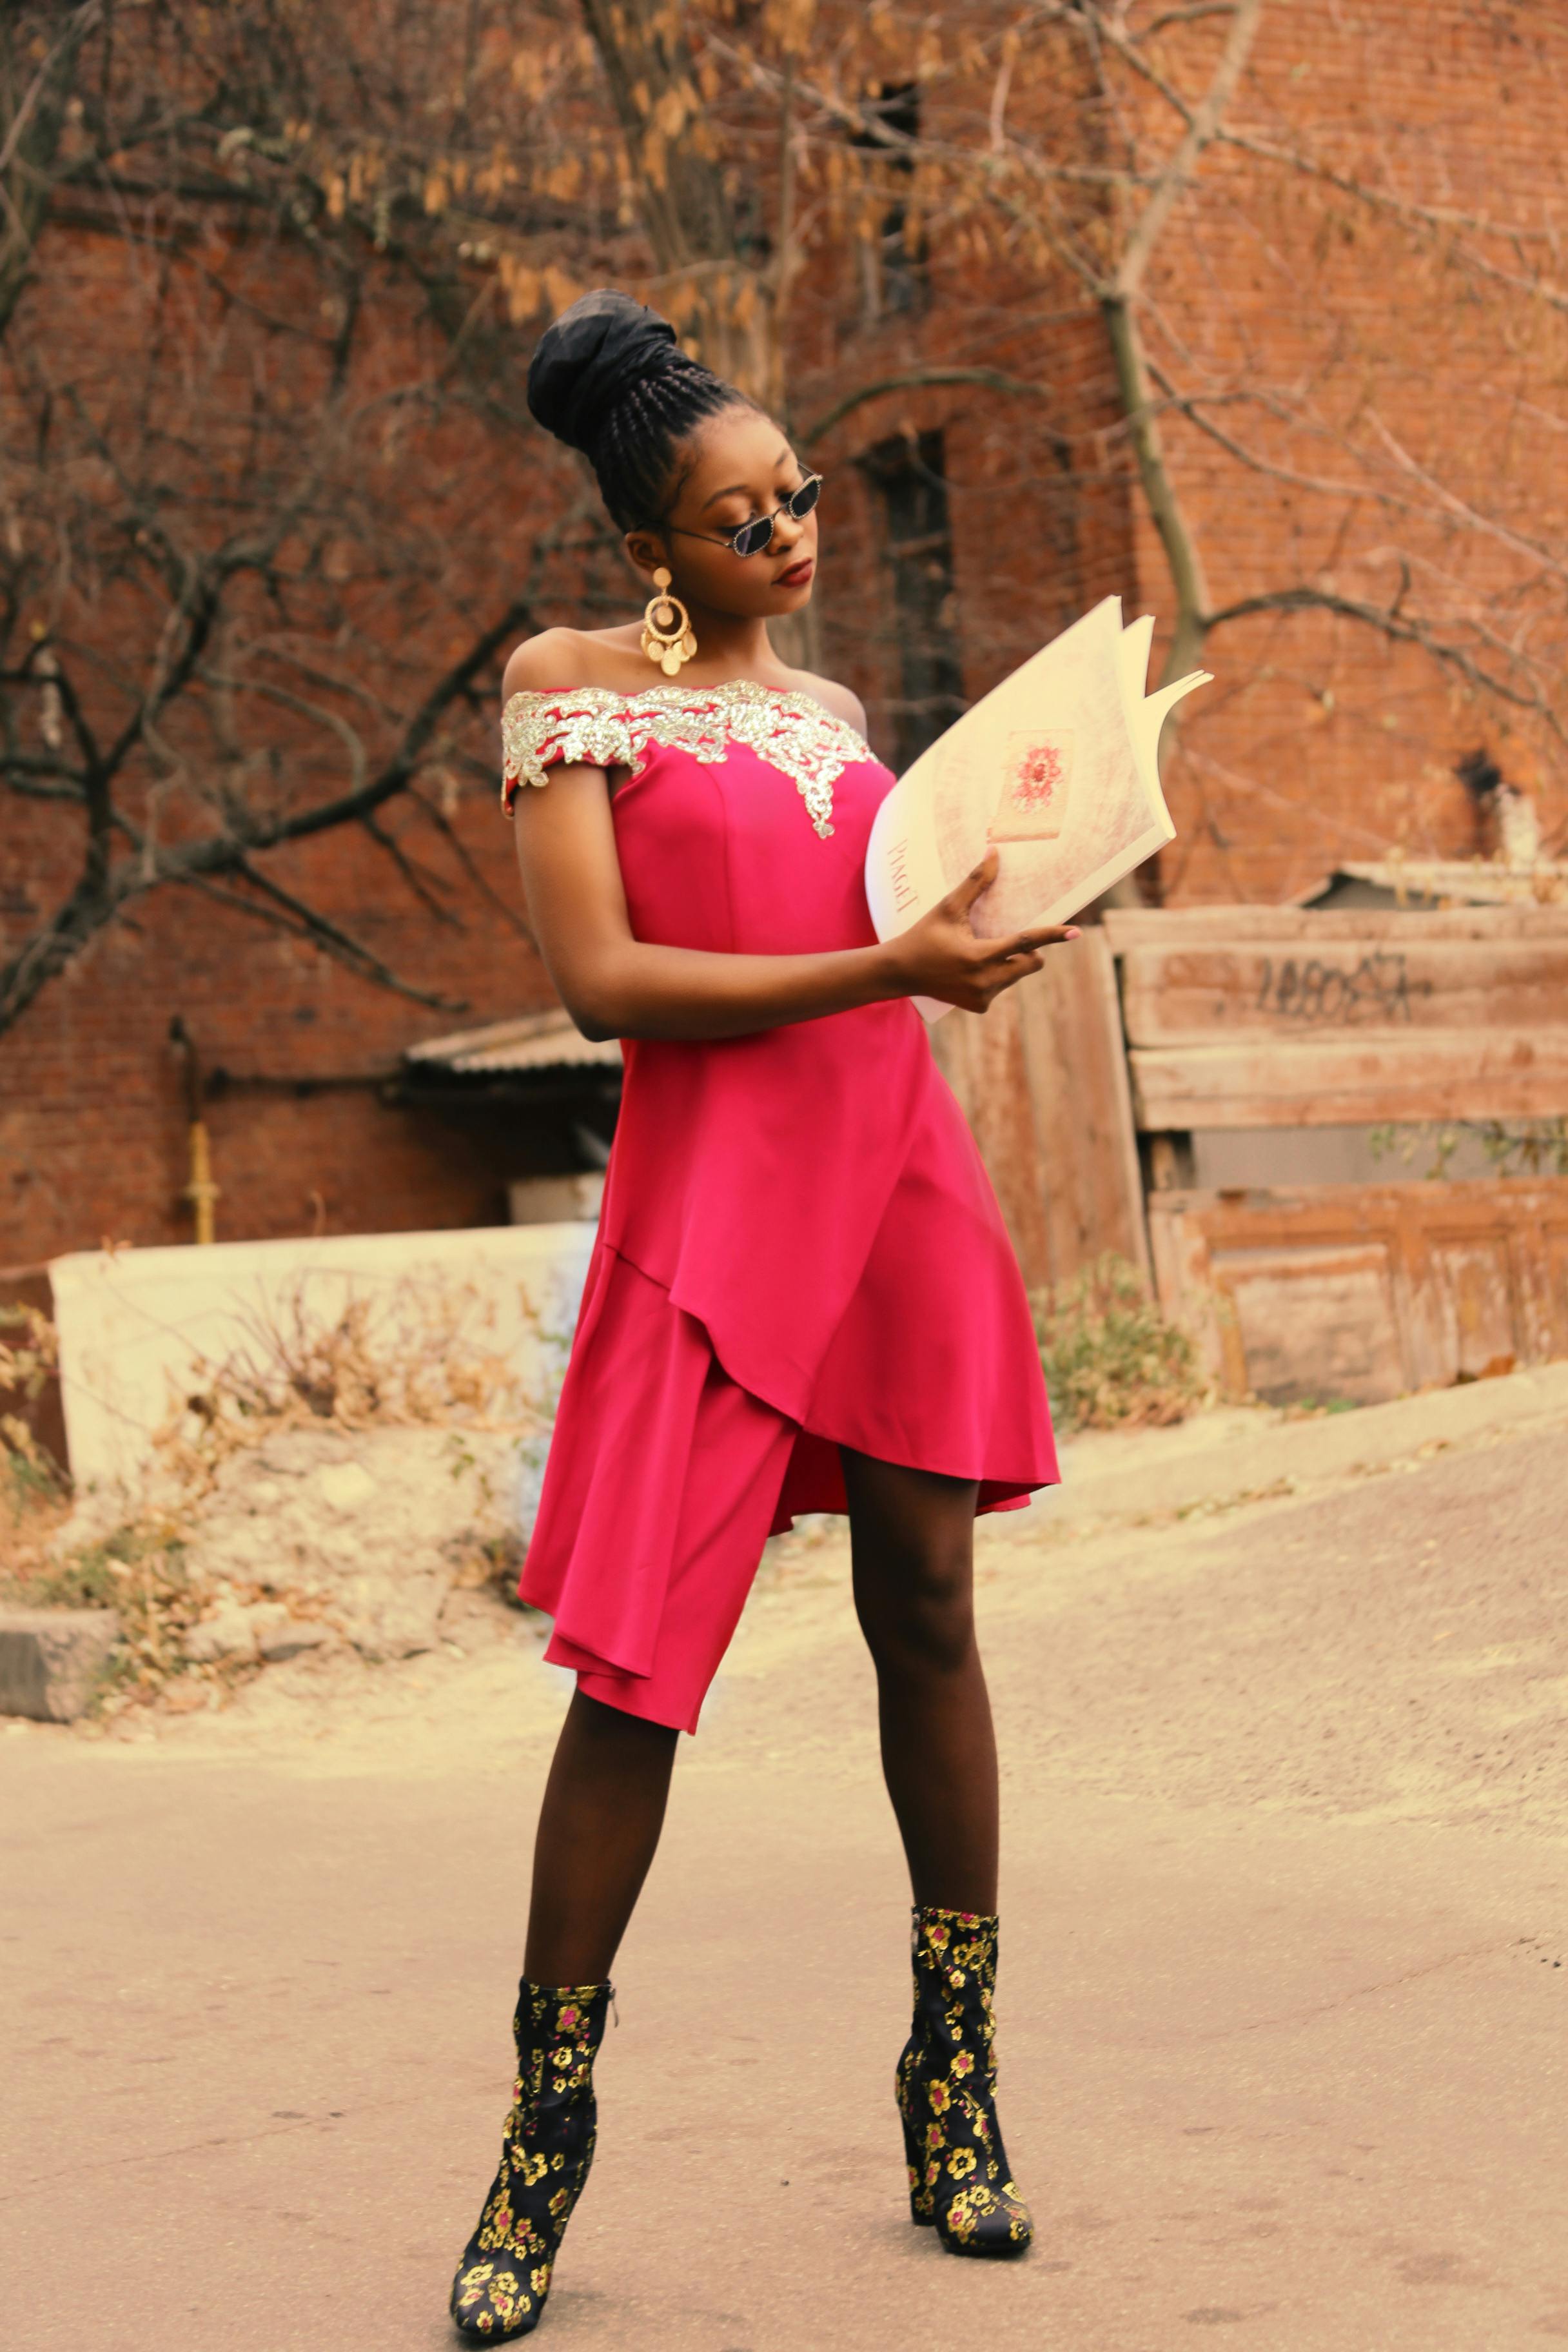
(958, 2178)
(504, 2275)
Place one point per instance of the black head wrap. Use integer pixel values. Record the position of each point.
(591, 358)
(610, 379)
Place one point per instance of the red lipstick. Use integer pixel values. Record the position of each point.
(797, 576)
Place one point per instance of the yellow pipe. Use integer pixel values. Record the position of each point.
(201, 1191)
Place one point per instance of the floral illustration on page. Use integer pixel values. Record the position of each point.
(1036, 777)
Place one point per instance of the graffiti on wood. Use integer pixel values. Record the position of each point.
(1378, 988)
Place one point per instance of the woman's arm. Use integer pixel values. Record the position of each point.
(614, 985)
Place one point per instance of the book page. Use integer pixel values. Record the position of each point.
(1057, 766)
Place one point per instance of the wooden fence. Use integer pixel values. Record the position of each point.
(1086, 1085)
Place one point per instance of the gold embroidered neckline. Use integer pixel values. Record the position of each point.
(595, 725)
(744, 689)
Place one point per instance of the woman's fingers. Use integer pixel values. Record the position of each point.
(948, 962)
(1050, 936)
(1021, 956)
(964, 894)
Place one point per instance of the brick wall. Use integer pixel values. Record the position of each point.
(1320, 741)
(92, 1103)
(1434, 387)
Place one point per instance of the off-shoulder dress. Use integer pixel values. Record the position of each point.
(799, 1248)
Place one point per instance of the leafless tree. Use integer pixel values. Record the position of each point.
(260, 393)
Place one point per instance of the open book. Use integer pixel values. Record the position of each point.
(1059, 766)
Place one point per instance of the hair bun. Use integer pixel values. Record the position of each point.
(589, 358)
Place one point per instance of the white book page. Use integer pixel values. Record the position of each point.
(1057, 766)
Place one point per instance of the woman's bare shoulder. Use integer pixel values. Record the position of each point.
(559, 661)
(835, 698)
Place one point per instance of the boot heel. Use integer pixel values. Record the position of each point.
(921, 2210)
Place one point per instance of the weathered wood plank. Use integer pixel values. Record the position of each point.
(1170, 927)
(1071, 1028)
(982, 1062)
(1353, 1080)
(1200, 994)
(1042, 1080)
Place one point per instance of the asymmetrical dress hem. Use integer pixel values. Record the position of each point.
(799, 1247)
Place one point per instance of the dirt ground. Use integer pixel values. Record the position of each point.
(1282, 1999)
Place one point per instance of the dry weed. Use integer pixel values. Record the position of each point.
(138, 1571)
(1111, 1360)
(28, 1361)
(421, 1354)
(34, 1494)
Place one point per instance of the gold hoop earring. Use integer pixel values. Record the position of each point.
(667, 636)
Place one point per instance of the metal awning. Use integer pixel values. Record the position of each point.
(536, 1041)
(1425, 882)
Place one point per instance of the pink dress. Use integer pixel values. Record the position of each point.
(799, 1247)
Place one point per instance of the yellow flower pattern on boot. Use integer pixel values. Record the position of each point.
(958, 2173)
(548, 2145)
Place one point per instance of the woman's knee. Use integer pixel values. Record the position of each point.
(918, 1609)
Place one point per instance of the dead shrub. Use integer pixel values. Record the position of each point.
(138, 1570)
(1111, 1360)
(35, 1493)
(420, 1354)
(29, 1358)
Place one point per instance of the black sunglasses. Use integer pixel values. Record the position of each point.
(754, 537)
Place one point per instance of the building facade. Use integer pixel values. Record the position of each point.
(1355, 394)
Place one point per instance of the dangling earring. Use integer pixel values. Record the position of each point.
(667, 636)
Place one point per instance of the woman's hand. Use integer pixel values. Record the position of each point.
(941, 957)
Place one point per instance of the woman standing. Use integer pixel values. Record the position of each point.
(802, 1296)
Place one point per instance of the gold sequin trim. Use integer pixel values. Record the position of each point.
(599, 729)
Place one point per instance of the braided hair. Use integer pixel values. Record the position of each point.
(610, 378)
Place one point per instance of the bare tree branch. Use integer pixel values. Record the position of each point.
(312, 924)
(914, 379)
(104, 889)
(1389, 621)
(1437, 220)
(32, 116)
(1202, 124)
(296, 921)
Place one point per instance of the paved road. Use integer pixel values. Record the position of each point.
(1284, 2004)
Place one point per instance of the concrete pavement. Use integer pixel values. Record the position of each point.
(1283, 1991)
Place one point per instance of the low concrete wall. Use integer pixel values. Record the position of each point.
(134, 1325)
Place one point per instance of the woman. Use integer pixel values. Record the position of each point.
(802, 1296)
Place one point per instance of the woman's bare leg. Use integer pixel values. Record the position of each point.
(598, 1831)
(912, 1538)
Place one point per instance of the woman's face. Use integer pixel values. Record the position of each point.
(738, 465)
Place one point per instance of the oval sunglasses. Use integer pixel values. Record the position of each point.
(755, 537)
